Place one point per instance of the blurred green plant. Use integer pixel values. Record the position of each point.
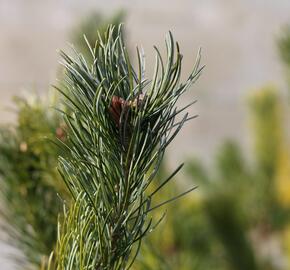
(241, 207)
(205, 231)
(284, 50)
(284, 46)
(29, 179)
(226, 201)
(267, 127)
(269, 140)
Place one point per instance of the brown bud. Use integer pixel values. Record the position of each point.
(119, 105)
(60, 133)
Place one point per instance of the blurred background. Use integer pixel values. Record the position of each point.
(236, 151)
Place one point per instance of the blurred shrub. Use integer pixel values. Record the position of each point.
(29, 180)
(284, 50)
(284, 46)
(226, 197)
(266, 120)
(239, 216)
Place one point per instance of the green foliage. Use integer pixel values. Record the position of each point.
(30, 204)
(120, 126)
(284, 46)
(216, 228)
(266, 117)
(269, 139)
(225, 218)
(185, 241)
(237, 209)
(226, 200)
(239, 198)
(284, 51)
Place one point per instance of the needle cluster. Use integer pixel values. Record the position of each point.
(119, 125)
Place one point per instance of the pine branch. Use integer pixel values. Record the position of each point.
(118, 130)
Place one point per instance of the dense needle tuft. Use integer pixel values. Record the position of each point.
(118, 126)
